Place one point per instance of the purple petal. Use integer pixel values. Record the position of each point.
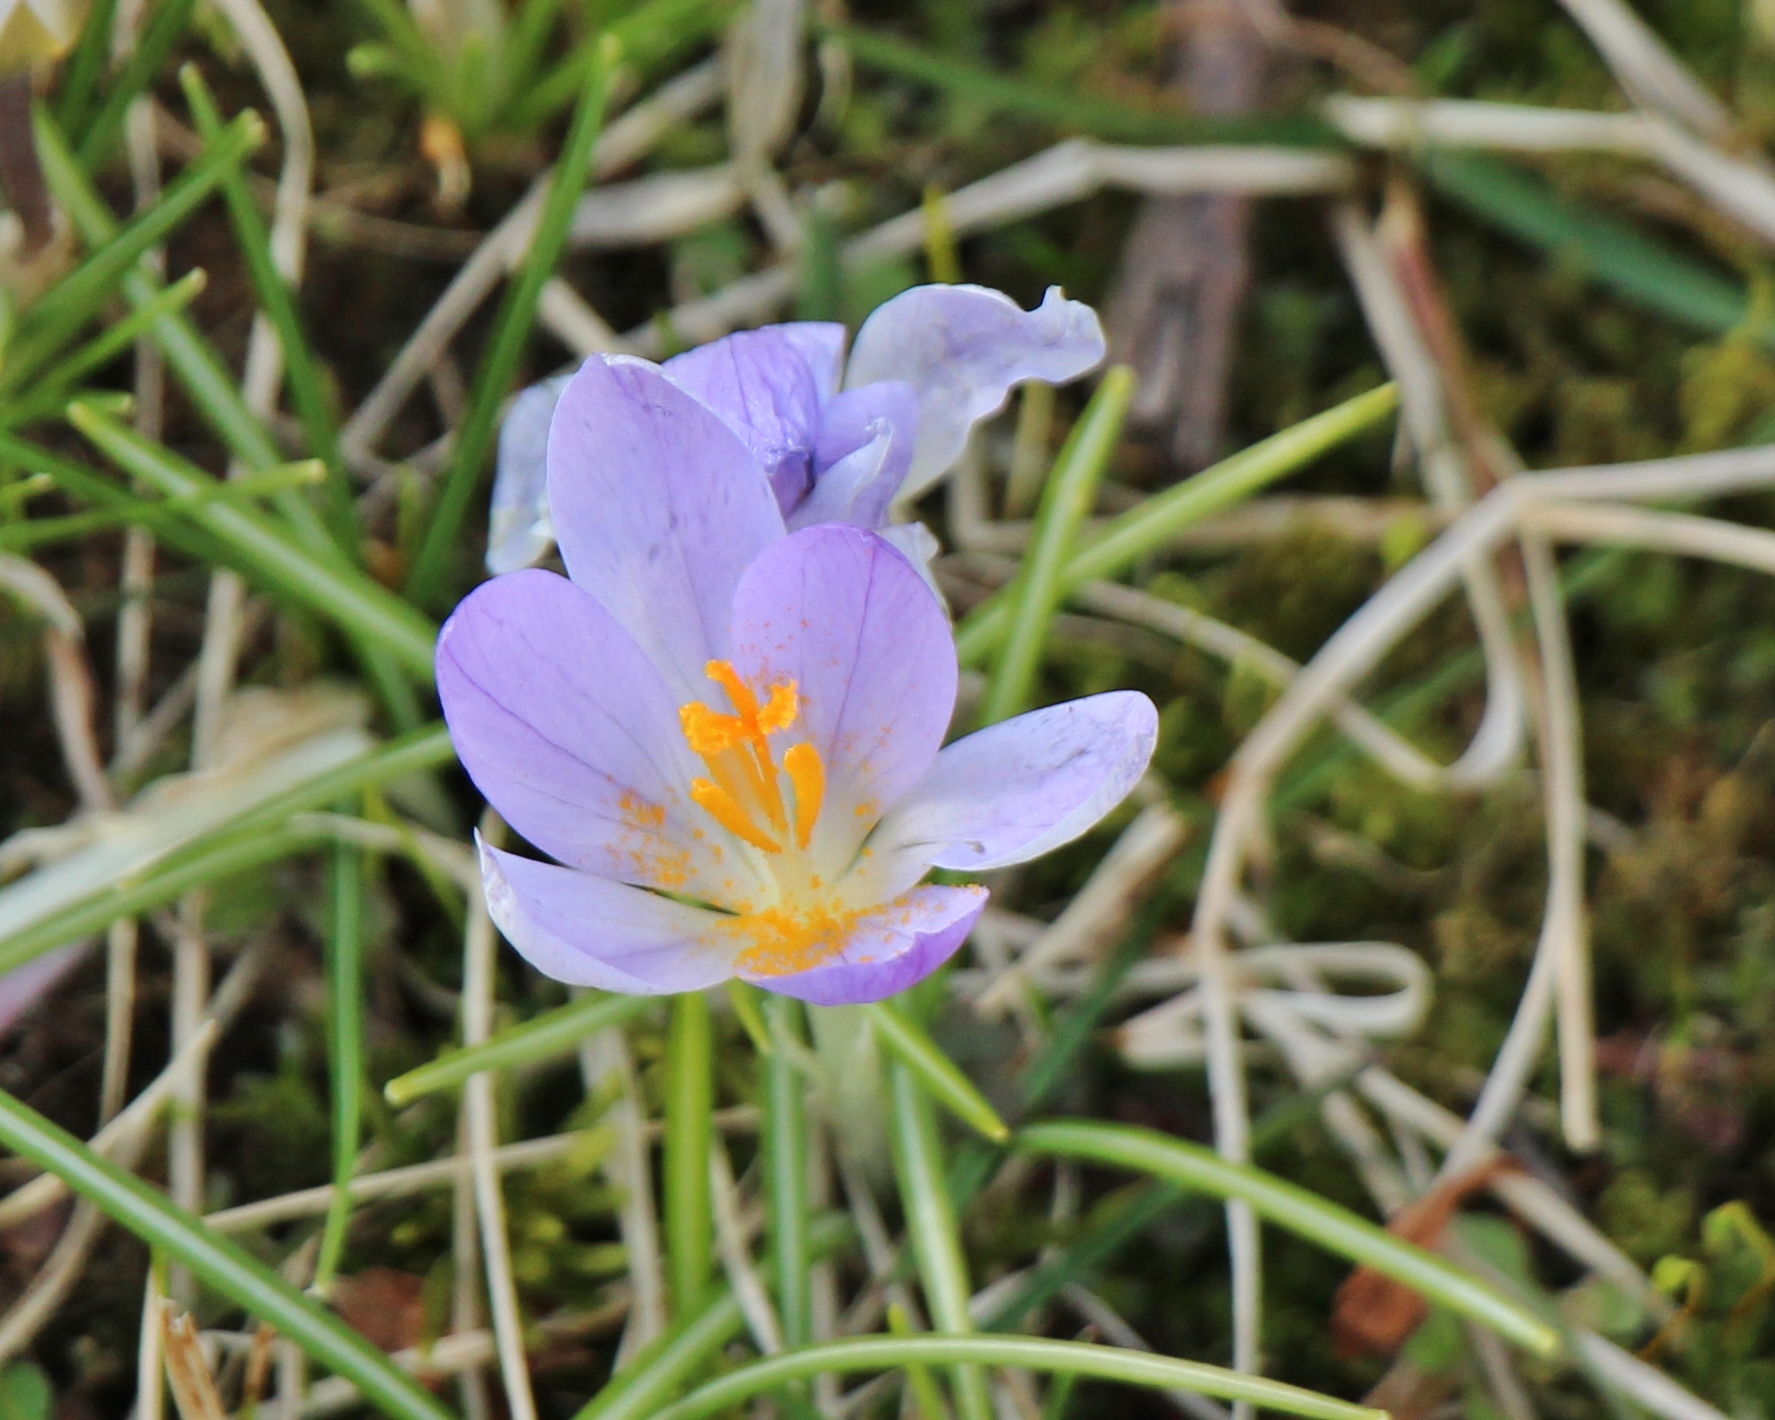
(567, 728)
(768, 386)
(587, 931)
(25, 985)
(519, 531)
(861, 457)
(658, 508)
(839, 612)
(963, 348)
(1015, 790)
(890, 948)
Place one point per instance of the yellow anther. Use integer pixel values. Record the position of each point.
(745, 703)
(782, 710)
(709, 731)
(725, 809)
(745, 791)
(807, 772)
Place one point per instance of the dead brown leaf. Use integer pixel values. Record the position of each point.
(1373, 1312)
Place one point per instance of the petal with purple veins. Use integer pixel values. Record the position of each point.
(519, 529)
(658, 508)
(845, 617)
(888, 949)
(1018, 789)
(588, 931)
(768, 386)
(963, 348)
(567, 728)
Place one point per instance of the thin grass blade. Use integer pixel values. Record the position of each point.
(218, 1261)
(1300, 1211)
(940, 1075)
(1038, 589)
(554, 1033)
(1155, 522)
(1108, 1363)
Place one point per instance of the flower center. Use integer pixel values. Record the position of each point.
(744, 791)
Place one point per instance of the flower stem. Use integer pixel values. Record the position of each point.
(345, 1030)
(690, 1229)
(930, 1219)
(785, 1153)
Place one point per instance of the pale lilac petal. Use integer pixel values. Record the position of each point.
(588, 931)
(768, 386)
(519, 530)
(889, 949)
(658, 507)
(25, 985)
(1016, 790)
(963, 348)
(861, 456)
(566, 727)
(845, 617)
(918, 545)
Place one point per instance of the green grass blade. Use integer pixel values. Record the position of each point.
(413, 754)
(785, 1169)
(302, 371)
(345, 1040)
(221, 1263)
(1300, 1211)
(1156, 521)
(149, 511)
(164, 28)
(57, 317)
(429, 580)
(218, 857)
(554, 1033)
(662, 1368)
(85, 66)
(1037, 590)
(190, 356)
(364, 610)
(926, 1390)
(1073, 113)
(257, 836)
(91, 486)
(49, 392)
(1615, 253)
(1077, 1358)
(689, 1212)
(930, 1220)
(940, 1075)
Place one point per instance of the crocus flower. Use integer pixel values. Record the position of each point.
(728, 733)
(838, 440)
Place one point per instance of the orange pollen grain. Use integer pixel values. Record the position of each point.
(781, 941)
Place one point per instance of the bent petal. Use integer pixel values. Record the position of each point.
(658, 508)
(586, 931)
(888, 949)
(962, 348)
(566, 727)
(1016, 790)
(845, 617)
(519, 530)
(861, 457)
(768, 387)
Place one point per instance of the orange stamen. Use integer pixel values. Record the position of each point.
(745, 781)
(721, 806)
(807, 772)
